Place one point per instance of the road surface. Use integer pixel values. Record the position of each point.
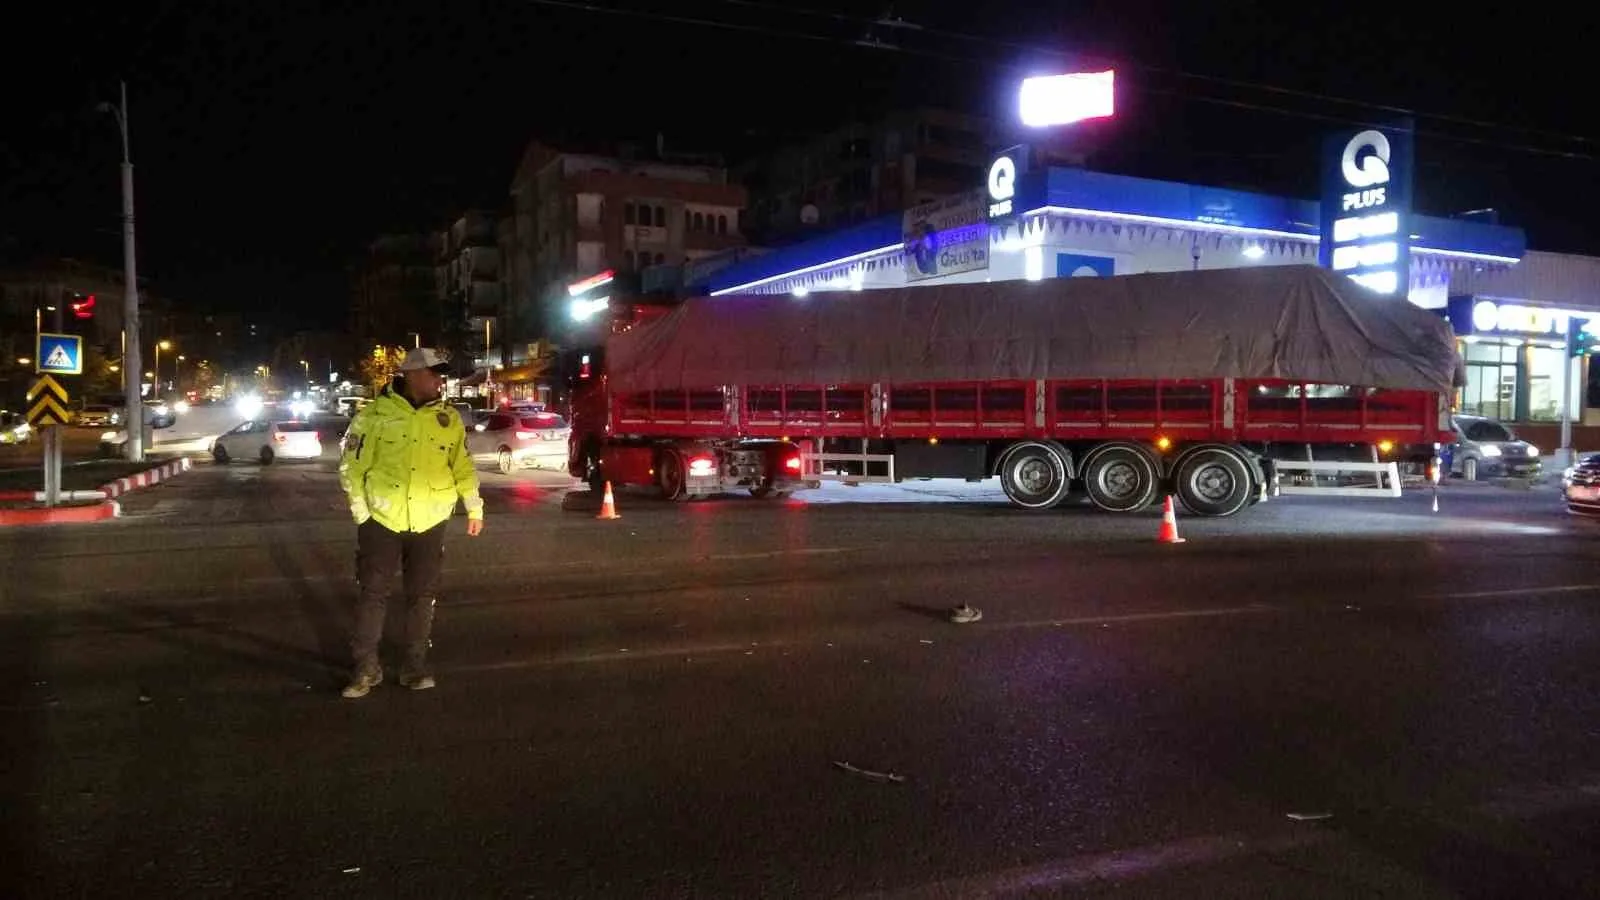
(1315, 699)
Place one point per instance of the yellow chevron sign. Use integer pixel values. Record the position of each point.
(47, 403)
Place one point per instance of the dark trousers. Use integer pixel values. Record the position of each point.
(419, 558)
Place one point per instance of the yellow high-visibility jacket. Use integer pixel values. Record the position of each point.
(406, 465)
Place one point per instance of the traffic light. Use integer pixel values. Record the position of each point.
(82, 305)
(1580, 340)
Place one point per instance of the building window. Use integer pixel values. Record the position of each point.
(1491, 380)
(661, 217)
(686, 220)
(661, 258)
(627, 258)
(627, 214)
(699, 222)
(722, 224)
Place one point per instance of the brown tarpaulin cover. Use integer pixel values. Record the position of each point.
(1296, 322)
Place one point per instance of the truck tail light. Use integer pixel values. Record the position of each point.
(792, 464)
(701, 466)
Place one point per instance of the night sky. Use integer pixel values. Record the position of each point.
(272, 140)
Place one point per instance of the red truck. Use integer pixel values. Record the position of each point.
(1221, 387)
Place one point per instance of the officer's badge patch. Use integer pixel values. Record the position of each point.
(444, 420)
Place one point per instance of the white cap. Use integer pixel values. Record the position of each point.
(423, 358)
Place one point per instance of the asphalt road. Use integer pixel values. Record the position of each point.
(1318, 698)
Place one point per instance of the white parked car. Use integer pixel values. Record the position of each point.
(516, 439)
(267, 441)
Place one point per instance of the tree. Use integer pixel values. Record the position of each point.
(203, 378)
(101, 375)
(379, 366)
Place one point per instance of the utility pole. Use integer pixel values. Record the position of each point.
(132, 366)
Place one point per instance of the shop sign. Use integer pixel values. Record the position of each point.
(1366, 208)
(946, 236)
(1001, 185)
(1084, 265)
(1470, 315)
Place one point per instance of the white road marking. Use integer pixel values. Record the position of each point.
(1518, 592)
(690, 650)
(1110, 867)
(1255, 609)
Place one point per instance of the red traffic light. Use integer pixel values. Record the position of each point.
(83, 309)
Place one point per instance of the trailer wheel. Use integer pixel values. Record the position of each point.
(670, 475)
(1213, 481)
(1035, 474)
(1120, 477)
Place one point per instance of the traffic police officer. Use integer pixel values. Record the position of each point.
(403, 467)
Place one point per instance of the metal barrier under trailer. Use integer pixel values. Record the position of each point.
(1384, 480)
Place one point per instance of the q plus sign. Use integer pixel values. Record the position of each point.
(1002, 186)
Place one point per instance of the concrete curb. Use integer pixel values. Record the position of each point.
(66, 496)
(107, 492)
(146, 478)
(62, 515)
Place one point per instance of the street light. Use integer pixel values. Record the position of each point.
(177, 371)
(155, 386)
(130, 288)
(307, 366)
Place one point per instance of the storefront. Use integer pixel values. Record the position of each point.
(1062, 223)
(1515, 357)
(1513, 326)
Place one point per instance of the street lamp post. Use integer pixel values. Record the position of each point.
(155, 384)
(307, 366)
(130, 289)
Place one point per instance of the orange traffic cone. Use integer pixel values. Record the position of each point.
(608, 506)
(1169, 524)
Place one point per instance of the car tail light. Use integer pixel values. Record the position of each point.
(701, 466)
(792, 464)
(280, 437)
(526, 435)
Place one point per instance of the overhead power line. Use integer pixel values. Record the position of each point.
(871, 44)
(1178, 73)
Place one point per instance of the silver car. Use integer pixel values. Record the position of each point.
(1486, 448)
(513, 439)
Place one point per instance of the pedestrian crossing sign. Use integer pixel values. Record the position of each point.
(59, 354)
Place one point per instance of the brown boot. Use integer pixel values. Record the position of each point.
(367, 676)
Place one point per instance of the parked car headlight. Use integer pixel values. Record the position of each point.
(1532, 450)
(1489, 450)
(109, 437)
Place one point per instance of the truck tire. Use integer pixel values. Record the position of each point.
(1120, 477)
(1036, 474)
(1213, 480)
(670, 476)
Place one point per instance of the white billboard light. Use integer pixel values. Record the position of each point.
(583, 309)
(1356, 228)
(1063, 99)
